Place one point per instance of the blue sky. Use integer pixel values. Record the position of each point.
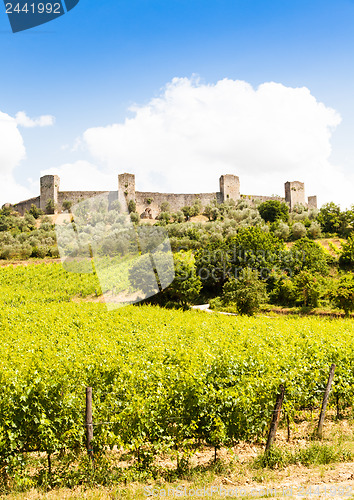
(89, 66)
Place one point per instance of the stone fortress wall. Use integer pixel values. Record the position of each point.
(148, 204)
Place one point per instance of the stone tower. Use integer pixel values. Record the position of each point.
(49, 190)
(229, 187)
(295, 193)
(312, 201)
(126, 188)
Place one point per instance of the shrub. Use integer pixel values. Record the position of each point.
(251, 247)
(314, 231)
(187, 285)
(50, 206)
(25, 252)
(273, 210)
(331, 218)
(54, 252)
(343, 295)
(282, 291)
(131, 206)
(178, 216)
(196, 208)
(212, 212)
(39, 251)
(187, 212)
(67, 205)
(346, 260)
(134, 217)
(165, 206)
(35, 211)
(307, 289)
(216, 303)
(247, 293)
(164, 217)
(298, 230)
(8, 252)
(307, 254)
(30, 221)
(282, 231)
(7, 222)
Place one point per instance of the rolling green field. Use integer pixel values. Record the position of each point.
(162, 379)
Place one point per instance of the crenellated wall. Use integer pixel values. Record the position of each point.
(148, 204)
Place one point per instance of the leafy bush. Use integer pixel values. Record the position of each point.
(187, 285)
(343, 295)
(187, 211)
(298, 230)
(212, 212)
(216, 303)
(134, 217)
(50, 206)
(131, 206)
(178, 216)
(35, 211)
(248, 293)
(307, 289)
(282, 291)
(273, 210)
(165, 206)
(307, 254)
(67, 204)
(192, 211)
(39, 251)
(196, 208)
(251, 247)
(346, 259)
(314, 231)
(282, 231)
(333, 220)
(164, 217)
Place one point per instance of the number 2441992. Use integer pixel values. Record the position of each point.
(40, 8)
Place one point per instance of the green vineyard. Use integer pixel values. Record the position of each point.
(160, 378)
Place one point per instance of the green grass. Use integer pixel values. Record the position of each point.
(315, 454)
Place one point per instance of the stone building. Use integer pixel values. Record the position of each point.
(148, 204)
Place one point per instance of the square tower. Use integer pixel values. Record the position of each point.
(49, 190)
(295, 193)
(126, 188)
(312, 201)
(229, 187)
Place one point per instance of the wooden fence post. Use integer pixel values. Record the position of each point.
(325, 401)
(89, 425)
(276, 417)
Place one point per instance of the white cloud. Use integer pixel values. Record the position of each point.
(183, 140)
(83, 176)
(12, 152)
(42, 121)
